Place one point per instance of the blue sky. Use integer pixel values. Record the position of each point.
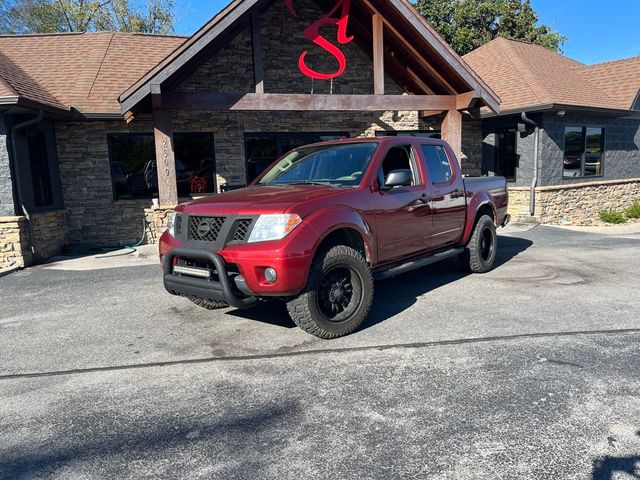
(598, 31)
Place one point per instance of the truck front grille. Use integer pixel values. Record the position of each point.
(242, 230)
(205, 229)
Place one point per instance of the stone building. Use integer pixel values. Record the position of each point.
(567, 136)
(207, 113)
(101, 134)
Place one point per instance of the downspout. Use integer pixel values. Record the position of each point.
(534, 181)
(16, 171)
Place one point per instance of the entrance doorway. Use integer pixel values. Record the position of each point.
(506, 153)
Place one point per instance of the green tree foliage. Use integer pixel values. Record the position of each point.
(47, 16)
(469, 24)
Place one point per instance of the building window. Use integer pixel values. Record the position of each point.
(438, 164)
(583, 152)
(134, 169)
(262, 149)
(39, 164)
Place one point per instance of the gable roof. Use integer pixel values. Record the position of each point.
(530, 76)
(81, 71)
(406, 18)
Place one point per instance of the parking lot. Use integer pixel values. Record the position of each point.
(530, 371)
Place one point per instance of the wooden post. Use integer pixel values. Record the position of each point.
(256, 48)
(378, 55)
(452, 132)
(165, 157)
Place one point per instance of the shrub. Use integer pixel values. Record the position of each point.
(633, 211)
(612, 216)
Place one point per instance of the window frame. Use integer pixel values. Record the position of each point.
(453, 177)
(416, 168)
(584, 129)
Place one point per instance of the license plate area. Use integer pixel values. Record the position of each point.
(194, 268)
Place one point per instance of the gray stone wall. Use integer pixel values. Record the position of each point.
(7, 205)
(525, 144)
(93, 216)
(622, 147)
(472, 148)
(231, 69)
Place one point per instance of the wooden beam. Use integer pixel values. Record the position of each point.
(410, 48)
(378, 55)
(256, 48)
(429, 113)
(466, 100)
(165, 157)
(305, 102)
(129, 116)
(452, 131)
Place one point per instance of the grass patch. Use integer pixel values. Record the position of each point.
(633, 211)
(612, 216)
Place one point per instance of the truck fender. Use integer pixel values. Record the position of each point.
(327, 221)
(479, 201)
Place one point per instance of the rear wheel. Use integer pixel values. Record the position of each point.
(338, 296)
(480, 254)
(208, 304)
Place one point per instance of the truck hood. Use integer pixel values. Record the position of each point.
(259, 199)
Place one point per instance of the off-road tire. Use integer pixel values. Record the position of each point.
(480, 254)
(305, 309)
(208, 304)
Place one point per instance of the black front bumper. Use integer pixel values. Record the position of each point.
(221, 289)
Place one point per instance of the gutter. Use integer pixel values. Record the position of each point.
(16, 170)
(534, 181)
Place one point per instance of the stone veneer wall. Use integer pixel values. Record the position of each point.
(157, 218)
(14, 242)
(48, 237)
(574, 204)
(94, 217)
(49, 234)
(472, 148)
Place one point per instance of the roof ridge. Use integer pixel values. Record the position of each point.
(104, 55)
(610, 62)
(101, 32)
(538, 90)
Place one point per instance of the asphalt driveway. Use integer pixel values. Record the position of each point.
(530, 371)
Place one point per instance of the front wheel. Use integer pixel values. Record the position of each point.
(480, 254)
(338, 296)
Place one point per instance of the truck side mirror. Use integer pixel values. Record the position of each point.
(397, 178)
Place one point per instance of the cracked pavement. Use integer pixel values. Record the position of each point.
(530, 371)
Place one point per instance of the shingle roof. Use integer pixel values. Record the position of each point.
(85, 71)
(526, 75)
(618, 80)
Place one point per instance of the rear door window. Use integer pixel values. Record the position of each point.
(438, 164)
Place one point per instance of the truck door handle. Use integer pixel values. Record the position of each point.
(457, 193)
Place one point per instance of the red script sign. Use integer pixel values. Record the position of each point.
(312, 32)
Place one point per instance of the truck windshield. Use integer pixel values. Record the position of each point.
(339, 165)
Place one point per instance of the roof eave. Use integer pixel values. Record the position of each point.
(558, 106)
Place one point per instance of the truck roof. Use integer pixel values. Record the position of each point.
(382, 140)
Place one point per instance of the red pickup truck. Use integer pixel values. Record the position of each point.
(325, 220)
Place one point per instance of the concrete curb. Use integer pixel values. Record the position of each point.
(6, 271)
(628, 229)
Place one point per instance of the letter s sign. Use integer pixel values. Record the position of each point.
(313, 33)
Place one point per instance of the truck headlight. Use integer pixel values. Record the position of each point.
(171, 224)
(273, 227)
